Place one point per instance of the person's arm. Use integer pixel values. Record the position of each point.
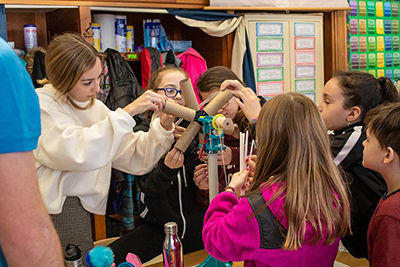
(27, 235)
(158, 180)
(384, 241)
(230, 233)
(65, 146)
(139, 152)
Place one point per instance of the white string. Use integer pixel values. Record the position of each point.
(223, 161)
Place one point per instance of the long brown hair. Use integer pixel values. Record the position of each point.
(294, 151)
(212, 79)
(68, 57)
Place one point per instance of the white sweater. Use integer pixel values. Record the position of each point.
(78, 148)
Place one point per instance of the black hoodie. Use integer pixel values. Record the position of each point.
(170, 195)
(366, 186)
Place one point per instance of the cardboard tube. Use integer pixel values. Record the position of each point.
(179, 111)
(218, 102)
(188, 94)
(226, 124)
(187, 136)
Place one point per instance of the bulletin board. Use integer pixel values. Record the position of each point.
(373, 41)
(287, 53)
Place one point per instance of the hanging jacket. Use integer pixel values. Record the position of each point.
(169, 195)
(169, 58)
(120, 88)
(195, 65)
(150, 60)
(366, 186)
(36, 65)
(124, 85)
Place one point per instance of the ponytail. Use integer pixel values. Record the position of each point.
(361, 89)
(388, 91)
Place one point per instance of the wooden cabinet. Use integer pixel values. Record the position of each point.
(55, 17)
(52, 20)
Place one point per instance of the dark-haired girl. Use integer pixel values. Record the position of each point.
(347, 97)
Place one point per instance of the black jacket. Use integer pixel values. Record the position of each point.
(169, 195)
(366, 186)
(124, 85)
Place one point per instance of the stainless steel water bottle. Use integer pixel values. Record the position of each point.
(73, 256)
(172, 248)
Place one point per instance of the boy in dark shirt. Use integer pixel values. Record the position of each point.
(381, 153)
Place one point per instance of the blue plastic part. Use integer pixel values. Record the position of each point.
(211, 135)
(210, 261)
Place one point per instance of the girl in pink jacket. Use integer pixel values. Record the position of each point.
(296, 208)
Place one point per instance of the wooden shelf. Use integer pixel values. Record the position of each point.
(146, 4)
(295, 9)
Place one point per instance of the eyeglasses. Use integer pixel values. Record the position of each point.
(170, 91)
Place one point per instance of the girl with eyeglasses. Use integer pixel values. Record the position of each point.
(209, 84)
(168, 192)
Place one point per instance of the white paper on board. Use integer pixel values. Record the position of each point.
(270, 88)
(311, 96)
(304, 71)
(269, 59)
(304, 29)
(304, 43)
(305, 85)
(305, 57)
(269, 29)
(269, 44)
(270, 74)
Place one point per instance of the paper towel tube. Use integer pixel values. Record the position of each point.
(183, 143)
(179, 111)
(218, 102)
(107, 30)
(188, 94)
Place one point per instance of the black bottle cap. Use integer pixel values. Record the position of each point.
(72, 252)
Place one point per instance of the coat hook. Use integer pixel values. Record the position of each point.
(87, 34)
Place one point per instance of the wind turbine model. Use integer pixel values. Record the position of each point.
(203, 117)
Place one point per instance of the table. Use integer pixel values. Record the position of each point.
(190, 259)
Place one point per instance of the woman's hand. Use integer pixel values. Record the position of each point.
(240, 182)
(233, 85)
(200, 176)
(147, 101)
(174, 159)
(166, 121)
(251, 163)
(223, 158)
(178, 131)
(249, 102)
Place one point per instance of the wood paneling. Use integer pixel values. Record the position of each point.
(335, 42)
(62, 20)
(99, 230)
(340, 40)
(15, 27)
(119, 3)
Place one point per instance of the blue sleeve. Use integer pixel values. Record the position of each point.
(19, 105)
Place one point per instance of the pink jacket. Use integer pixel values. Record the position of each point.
(229, 234)
(195, 65)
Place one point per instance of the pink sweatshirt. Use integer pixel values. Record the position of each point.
(229, 234)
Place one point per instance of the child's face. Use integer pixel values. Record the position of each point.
(171, 79)
(88, 85)
(229, 110)
(373, 154)
(332, 106)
